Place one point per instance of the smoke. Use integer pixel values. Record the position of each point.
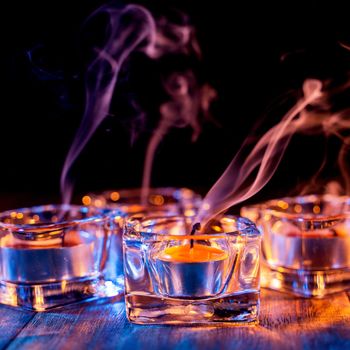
(234, 185)
(246, 175)
(188, 101)
(132, 28)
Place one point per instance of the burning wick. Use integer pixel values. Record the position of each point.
(195, 227)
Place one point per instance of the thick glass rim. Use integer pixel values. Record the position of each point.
(134, 223)
(97, 215)
(120, 196)
(311, 219)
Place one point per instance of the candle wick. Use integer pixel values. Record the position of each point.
(195, 227)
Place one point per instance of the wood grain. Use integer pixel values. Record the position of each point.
(12, 321)
(286, 322)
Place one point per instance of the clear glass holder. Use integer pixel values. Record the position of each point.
(172, 277)
(306, 244)
(164, 201)
(54, 255)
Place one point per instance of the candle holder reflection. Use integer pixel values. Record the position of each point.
(164, 201)
(169, 280)
(306, 243)
(53, 255)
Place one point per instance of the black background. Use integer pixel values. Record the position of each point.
(253, 55)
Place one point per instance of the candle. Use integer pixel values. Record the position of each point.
(52, 255)
(197, 254)
(188, 269)
(55, 239)
(289, 246)
(42, 261)
(306, 243)
(128, 202)
(174, 277)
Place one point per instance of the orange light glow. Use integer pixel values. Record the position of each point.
(86, 200)
(19, 216)
(157, 199)
(316, 209)
(216, 228)
(283, 205)
(189, 212)
(227, 220)
(198, 253)
(115, 196)
(267, 217)
(98, 203)
(298, 208)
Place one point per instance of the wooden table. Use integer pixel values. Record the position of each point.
(285, 323)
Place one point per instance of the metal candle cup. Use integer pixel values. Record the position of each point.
(191, 270)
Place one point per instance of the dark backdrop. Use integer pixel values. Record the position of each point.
(253, 54)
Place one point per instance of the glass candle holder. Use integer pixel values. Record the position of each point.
(306, 243)
(172, 277)
(53, 255)
(164, 201)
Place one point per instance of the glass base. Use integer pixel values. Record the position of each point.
(41, 297)
(306, 283)
(236, 309)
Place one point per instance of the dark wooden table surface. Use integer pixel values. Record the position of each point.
(286, 322)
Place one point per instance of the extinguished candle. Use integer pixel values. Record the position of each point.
(323, 248)
(191, 253)
(189, 270)
(51, 259)
(196, 254)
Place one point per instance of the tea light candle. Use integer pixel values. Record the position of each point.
(306, 243)
(172, 277)
(197, 254)
(191, 253)
(162, 201)
(295, 248)
(46, 260)
(189, 269)
(53, 255)
(191, 272)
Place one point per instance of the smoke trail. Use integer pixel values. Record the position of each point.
(187, 102)
(312, 114)
(235, 185)
(131, 28)
(102, 75)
